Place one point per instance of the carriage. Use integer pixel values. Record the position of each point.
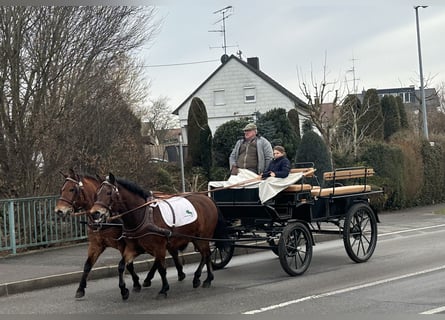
(283, 219)
(286, 223)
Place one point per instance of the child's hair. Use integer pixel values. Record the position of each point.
(280, 149)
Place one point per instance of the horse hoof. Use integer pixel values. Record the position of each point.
(196, 283)
(206, 284)
(181, 277)
(80, 293)
(137, 288)
(162, 295)
(125, 294)
(146, 283)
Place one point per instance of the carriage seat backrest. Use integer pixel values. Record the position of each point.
(300, 187)
(356, 174)
(343, 174)
(309, 172)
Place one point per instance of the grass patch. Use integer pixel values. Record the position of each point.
(440, 211)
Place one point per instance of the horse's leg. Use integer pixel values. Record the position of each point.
(197, 275)
(136, 285)
(94, 251)
(163, 273)
(175, 256)
(204, 250)
(210, 276)
(121, 268)
(130, 267)
(150, 274)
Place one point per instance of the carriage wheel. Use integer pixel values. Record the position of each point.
(220, 257)
(295, 249)
(360, 232)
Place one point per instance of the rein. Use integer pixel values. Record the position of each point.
(182, 194)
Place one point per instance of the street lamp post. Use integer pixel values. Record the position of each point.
(181, 161)
(422, 87)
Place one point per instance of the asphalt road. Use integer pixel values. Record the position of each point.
(404, 276)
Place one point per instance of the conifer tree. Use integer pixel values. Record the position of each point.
(404, 124)
(391, 118)
(199, 137)
(275, 126)
(371, 124)
(313, 149)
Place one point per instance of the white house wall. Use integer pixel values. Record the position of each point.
(233, 78)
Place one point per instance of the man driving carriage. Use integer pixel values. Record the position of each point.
(253, 152)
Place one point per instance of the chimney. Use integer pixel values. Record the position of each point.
(254, 62)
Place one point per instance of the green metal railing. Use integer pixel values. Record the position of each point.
(31, 222)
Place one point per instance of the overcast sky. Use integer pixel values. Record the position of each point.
(290, 37)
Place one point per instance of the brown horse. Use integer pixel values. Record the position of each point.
(76, 194)
(144, 227)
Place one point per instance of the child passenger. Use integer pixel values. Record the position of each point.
(280, 165)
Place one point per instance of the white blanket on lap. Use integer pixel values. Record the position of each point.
(272, 185)
(176, 211)
(267, 188)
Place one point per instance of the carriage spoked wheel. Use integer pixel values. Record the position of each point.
(360, 232)
(295, 248)
(221, 256)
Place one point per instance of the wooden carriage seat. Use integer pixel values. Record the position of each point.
(300, 187)
(335, 191)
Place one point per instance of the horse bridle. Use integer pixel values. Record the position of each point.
(78, 191)
(115, 191)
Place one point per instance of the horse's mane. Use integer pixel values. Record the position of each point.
(133, 187)
(88, 176)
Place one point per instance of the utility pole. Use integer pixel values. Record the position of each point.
(422, 87)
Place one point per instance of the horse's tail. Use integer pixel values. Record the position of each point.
(221, 232)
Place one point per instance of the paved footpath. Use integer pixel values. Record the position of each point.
(59, 266)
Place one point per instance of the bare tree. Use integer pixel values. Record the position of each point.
(159, 118)
(317, 94)
(65, 79)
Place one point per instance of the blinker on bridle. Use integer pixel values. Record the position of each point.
(79, 186)
(114, 190)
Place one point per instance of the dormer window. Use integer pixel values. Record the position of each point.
(249, 94)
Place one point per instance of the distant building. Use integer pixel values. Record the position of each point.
(411, 97)
(235, 90)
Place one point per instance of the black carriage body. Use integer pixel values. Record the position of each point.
(245, 205)
(286, 223)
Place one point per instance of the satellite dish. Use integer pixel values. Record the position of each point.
(224, 58)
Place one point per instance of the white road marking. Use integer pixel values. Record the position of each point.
(411, 230)
(345, 290)
(433, 311)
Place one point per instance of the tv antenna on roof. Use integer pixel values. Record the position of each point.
(224, 12)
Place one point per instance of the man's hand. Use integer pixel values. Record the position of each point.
(234, 170)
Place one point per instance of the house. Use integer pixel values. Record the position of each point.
(411, 97)
(237, 89)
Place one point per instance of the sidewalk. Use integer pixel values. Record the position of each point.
(60, 266)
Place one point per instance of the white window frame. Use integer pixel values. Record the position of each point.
(249, 94)
(219, 97)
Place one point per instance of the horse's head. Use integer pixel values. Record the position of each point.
(107, 198)
(70, 195)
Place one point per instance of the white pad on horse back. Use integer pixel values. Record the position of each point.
(176, 211)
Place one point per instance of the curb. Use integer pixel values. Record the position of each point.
(67, 278)
(187, 257)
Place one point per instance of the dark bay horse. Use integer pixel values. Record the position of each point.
(77, 194)
(145, 227)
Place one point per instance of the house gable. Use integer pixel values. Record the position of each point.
(236, 90)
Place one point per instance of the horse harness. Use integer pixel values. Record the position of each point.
(148, 226)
